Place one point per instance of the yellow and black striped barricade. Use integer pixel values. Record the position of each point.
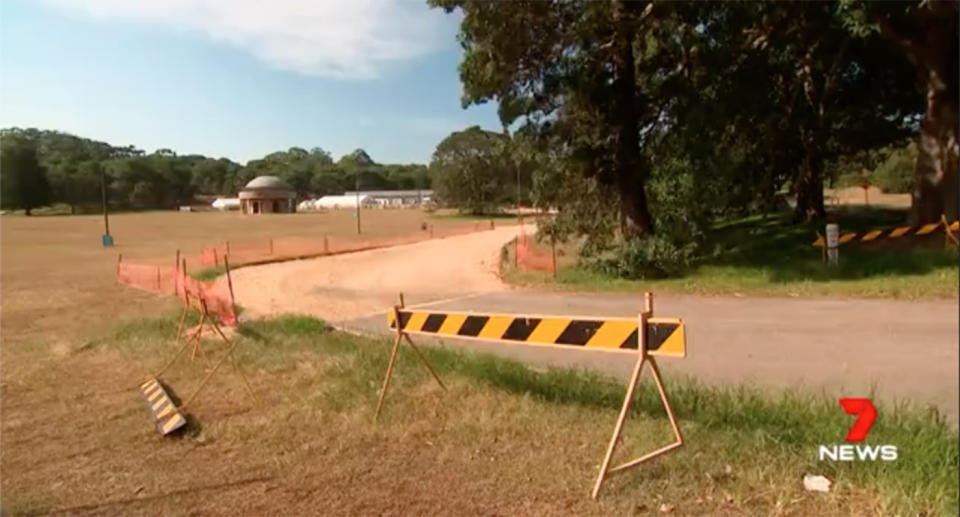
(645, 337)
(893, 233)
(162, 407)
(168, 415)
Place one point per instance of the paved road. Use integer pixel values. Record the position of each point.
(898, 349)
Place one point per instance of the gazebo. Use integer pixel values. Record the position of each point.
(267, 195)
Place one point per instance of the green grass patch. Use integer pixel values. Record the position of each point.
(208, 273)
(770, 256)
(766, 441)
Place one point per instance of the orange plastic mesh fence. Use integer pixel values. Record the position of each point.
(216, 293)
(531, 259)
(294, 247)
(169, 281)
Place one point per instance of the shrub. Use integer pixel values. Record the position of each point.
(896, 173)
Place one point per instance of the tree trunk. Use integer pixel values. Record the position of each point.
(928, 37)
(809, 184)
(635, 215)
(936, 193)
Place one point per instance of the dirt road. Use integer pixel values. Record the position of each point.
(344, 287)
(895, 349)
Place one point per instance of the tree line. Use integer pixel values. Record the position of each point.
(643, 121)
(42, 167)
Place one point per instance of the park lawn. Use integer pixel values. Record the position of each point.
(770, 257)
(59, 281)
(504, 439)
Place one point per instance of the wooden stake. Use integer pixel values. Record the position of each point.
(271, 246)
(226, 264)
(553, 249)
(158, 279)
(228, 247)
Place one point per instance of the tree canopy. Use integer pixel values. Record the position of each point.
(69, 169)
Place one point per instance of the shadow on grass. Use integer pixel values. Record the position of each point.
(785, 254)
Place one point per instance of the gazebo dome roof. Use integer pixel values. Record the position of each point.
(267, 182)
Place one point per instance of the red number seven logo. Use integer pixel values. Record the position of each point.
(866, 415)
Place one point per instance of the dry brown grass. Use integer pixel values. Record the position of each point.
(76, 439)
(58, 282)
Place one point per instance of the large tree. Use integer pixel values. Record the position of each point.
(926, 32)
(471, 170)
(23, 180)
(572, 66)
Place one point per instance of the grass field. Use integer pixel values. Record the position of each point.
(504, 440)
(58, 280)
(757, 256)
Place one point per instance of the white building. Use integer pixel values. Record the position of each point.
(396, 197)
(344, 201)
(226, 203)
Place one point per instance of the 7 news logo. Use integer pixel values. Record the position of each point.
(866, 415)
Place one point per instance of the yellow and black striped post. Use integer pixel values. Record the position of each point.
(645, 337)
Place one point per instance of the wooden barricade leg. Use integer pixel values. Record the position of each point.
(393, 358)
(605, 469)
(949, 239)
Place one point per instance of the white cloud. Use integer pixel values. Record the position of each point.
(346, 39)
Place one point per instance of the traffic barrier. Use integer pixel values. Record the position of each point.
(645, 336)
(893, 233)
(161, 407)
(169, 416)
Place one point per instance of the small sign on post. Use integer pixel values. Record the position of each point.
(833, 244)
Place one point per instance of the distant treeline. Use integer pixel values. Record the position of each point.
(41, 167)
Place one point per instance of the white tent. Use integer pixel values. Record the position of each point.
(226, 203)
(343, 201)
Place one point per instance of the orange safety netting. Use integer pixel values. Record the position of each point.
(528, 258)
(302, 247)
(166, 280)
(216, 294)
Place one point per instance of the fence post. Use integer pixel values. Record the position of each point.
(271, 245)
(226, 265)
(833, 250)
(176, 272)
(158, 279)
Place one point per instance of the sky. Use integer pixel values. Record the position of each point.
(237, 78)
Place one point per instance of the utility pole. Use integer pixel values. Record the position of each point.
(357, 190)
(107, 239)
